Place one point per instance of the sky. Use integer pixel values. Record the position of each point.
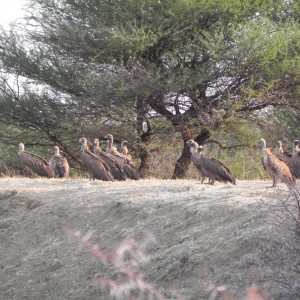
(10, 10)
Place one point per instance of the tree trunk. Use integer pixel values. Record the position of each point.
(145, 160)
(202, 136)
(144, 131)
(183, 162)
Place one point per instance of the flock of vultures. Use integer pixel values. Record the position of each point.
(111, 164)
(106, 165)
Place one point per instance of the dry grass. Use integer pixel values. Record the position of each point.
(205, 236)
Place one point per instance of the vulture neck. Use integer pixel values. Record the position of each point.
(97, 148)
(263, 148)
(84, 147)
(110, 144)
(281, 149)
(21, 148)
(296, 148)
(125, 150)
(194, 150)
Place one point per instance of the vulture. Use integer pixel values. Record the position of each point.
(214, 169)
(59, 164)
(296, 158)
(275, 167)
(127, 165)
(94, 165)
(195, 158)
(115, 167)
(34, 163)
(290, 159)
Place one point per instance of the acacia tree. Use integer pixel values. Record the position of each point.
(197, 63)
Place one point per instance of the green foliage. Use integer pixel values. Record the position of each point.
(93, 66)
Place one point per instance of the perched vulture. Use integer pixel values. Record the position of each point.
(214, 169)
(34, 163)
(115, 167)
(127, 165)
(95, 166)
(275, 167)
(195, 158)
(296, 158)
(59, 164)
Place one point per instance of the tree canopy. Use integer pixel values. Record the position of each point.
(102, 64)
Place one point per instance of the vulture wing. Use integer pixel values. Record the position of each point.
(36, 164)
(216, 170)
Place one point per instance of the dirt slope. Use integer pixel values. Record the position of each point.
(204, 234)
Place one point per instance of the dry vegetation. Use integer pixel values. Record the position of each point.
(193, 237)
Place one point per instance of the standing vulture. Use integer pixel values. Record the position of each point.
(214, 169)
(275, 167)
(290, 159)
(115, 167)
(296, 158)
(59, 164)
(195, 158)
(34, 163)
(95, 166)
(128, 167)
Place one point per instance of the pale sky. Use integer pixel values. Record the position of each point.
(10, 10)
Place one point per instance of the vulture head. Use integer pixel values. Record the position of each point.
(55, 150)
(125, 144)
(193, 146)
(109, 137)
(96, 142)
(262, 143)
(82, 140)
(191, 143)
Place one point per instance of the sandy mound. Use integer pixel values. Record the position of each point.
(204, 234)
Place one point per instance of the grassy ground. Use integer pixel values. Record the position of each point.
(194, 236)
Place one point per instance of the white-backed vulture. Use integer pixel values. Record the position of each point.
(214, 169)
(115, 167)
(59, 164)
(95, 166)
(275, 167)
(35, 163)
(193, 146)
(296, 158)
(128, 167)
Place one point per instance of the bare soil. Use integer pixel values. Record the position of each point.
(204, 235)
